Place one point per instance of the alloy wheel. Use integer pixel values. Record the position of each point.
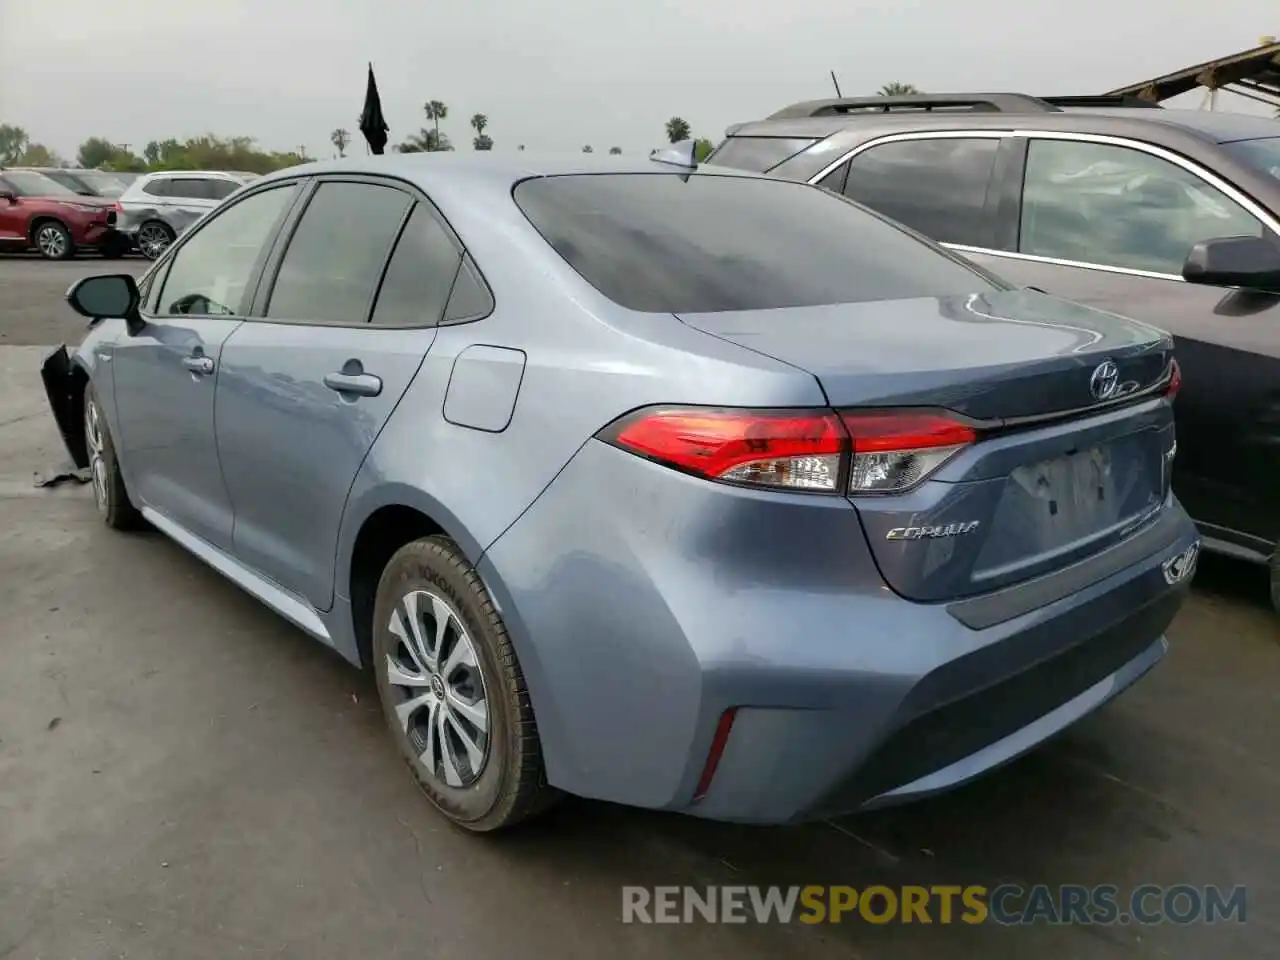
(97, 465)
(51, 242)
(153, 240)
(442, 706)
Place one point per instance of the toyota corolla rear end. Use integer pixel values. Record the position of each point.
(966, 543)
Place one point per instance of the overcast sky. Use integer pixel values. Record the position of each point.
(557, 74)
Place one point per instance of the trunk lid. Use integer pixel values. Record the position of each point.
(1057, 473)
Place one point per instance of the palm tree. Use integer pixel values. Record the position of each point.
(588, 149)
(896, 89)
(478, 122)
(425, 141)
(482, 142)
(677, 130)
(615, 150)
(435, 111)
(340, 138)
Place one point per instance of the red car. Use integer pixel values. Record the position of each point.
(38, 212)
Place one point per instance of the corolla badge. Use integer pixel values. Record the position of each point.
(1105, 382)
(1183, 565)
(932, 532)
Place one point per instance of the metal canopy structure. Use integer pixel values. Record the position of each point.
(1252, 73)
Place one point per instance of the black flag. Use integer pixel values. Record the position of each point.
(372, 123)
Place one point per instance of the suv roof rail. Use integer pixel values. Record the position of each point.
(927, 102)
(1102, 100)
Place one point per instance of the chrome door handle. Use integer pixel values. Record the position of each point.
(359, 384)
(201, 365)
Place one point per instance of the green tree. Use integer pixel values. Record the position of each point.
(615, 150)
(588, 149)
(896, 89)
(702, 148)
(677, 130)
(481, 142)
(340, 138)
(13, 142)
(96, 152)
(208, 152)
(435, 111)
(38, 155)
(425, 141)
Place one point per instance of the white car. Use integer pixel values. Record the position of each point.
(157, 207)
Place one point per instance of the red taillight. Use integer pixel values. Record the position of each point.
(718, 743)
(1175, 381)
(790, 449)
(878, 451)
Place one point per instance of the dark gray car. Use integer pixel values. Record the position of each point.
(1107, 201)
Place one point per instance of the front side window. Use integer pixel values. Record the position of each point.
(1120, 207)
(211, 271)
(336, 255)
(937, 186)
(672, 243)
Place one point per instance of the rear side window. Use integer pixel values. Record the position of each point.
(337, 253)
(672, 243)
(221, 189)
(158, 187)
(938, 186)
(471, 298)
(420, 275)
(190, 188)
(757, 154)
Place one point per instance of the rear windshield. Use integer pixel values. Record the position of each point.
(757, 154)
(672, 243)
(1262, 154)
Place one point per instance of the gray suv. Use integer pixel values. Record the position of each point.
(1167, 216)
(156, 208)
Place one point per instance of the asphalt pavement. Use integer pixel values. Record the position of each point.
(184, 775)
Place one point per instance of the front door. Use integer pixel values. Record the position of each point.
(308, 383)
(165, 376)
(1110, 226)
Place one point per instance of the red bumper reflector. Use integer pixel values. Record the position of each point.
(718, 743)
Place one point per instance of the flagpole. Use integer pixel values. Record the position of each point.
(367, 151)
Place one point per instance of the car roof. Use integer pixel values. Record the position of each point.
(432, 170)
(1142, 124)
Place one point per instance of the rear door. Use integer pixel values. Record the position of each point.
(343, 320)
(190, 198)
(1110, 224)
(13, 218)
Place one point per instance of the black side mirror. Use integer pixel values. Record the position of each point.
(7, 195)
(1250, 262)
(111, 297)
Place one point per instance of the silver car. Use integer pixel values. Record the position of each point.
(674, 487)
(158, 207)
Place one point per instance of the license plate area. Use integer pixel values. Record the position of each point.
(1074, 504)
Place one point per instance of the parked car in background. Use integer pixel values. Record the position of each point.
(675, 487)
(87, 183)
(1169, 216)
(37, 212)
(157, 207)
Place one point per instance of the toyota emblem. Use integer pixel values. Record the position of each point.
(1105, 381)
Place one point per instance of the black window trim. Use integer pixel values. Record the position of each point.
(163, 264)
(271, 267)
(1024, 136)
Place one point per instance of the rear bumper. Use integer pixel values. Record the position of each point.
(644, 604)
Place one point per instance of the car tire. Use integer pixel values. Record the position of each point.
(454, 697)
(114, 249)
(109, 493)
(154, 238)
(53, 241)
